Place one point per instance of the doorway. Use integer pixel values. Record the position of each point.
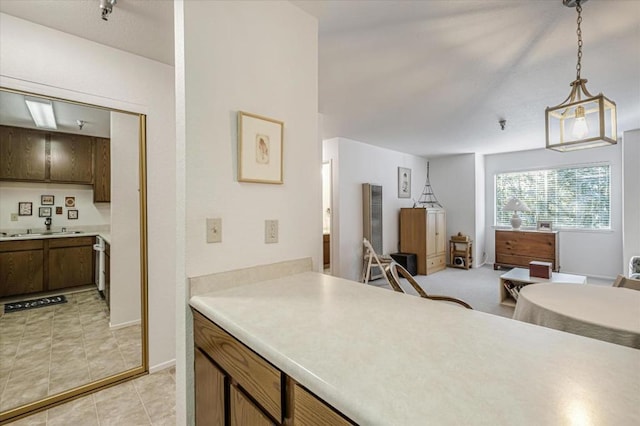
(326, 216)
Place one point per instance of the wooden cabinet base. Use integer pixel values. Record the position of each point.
(235, 386)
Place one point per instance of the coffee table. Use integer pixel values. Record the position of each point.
(519, 277)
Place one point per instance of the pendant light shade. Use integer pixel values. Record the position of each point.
(582, 120)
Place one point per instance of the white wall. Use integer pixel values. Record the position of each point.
(89, 214)
(259, 57)
(591, 253)
(50, 62)
(453, 179)
(125, 238)
(355, 163)
(631, 198)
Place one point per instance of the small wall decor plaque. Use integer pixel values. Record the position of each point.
(44, 212)
(72, 214)
(545, 225)
(25, 208)
(259, 149)
(70, 201)
(47, 200)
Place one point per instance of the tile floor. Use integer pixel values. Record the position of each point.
(148, 400)
(46, 350)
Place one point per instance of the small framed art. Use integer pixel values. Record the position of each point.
(44, 212)
(47, 200)
(70, 201)
(25, 208)
(545, 225)
(404, 182)
(72, 214)
(260, 149)
(58, 209)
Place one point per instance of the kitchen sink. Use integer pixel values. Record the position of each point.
(41, 234)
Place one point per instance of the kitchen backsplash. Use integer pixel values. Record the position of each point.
(88, 213)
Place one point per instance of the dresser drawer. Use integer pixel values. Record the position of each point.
(436, 262)
(309, 410)
(256, 376)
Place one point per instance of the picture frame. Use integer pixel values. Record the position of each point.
(72, 214)
(25, 208)
(404, 182)
(70, 201)
(47, 200)
(44, 212)
(260, 149)
(544, 225)
(58, 209)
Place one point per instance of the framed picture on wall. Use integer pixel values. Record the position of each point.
(44, 212)
(72, 214)
(25, 208)
(404, 182)
(47, 200)
(259, 149)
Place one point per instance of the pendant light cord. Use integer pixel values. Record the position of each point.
(579, 33)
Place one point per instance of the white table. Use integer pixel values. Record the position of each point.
(605, 313)
(520, 277)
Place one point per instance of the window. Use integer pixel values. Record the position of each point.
(572, 197)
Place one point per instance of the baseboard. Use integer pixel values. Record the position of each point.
(162, 366)
(123, 325)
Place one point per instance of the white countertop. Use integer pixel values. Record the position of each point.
(38, 236)
(387, 358)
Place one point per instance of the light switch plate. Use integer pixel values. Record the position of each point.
(214, 230)
(270, 231)
(14, 217)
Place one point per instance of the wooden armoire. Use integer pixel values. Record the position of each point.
(423, 232)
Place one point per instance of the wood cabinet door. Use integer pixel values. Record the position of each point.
(243, 412)
(21, 272)
(71, 158)
(22, 154)
(210, 390)
(107, 275)
(432, 230)
(71, 267)
(441, 232)
(102, 171)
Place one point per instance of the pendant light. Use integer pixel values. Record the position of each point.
(582, 120)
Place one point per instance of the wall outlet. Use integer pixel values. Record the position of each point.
(270, 231)
(214, 230)
(14, 217)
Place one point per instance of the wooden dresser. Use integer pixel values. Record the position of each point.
(423, 232)
(518, 248)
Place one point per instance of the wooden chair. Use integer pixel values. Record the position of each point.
(622, 281)
(392, 270)
(370, 257)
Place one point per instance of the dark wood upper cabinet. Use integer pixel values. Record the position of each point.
(22, 154)
(102, 171)
(71, 158)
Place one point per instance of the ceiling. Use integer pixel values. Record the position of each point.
(14, 112)
(430, 77)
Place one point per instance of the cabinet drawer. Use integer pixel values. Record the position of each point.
(71, 242)
(7, 246)
(435, 262)
(259, 378)
(309, 410)
(244, 412)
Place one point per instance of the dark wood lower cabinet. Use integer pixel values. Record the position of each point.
(107, 274)
(32, 266)
(71, 262)
(21, 267)
(234, 386)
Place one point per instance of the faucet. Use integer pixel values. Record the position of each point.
(47, 223)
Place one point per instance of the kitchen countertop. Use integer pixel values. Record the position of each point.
(382, 357)
(104, 234)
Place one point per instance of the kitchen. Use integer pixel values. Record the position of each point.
(70, 247)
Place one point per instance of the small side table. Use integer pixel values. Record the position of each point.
(460, 254)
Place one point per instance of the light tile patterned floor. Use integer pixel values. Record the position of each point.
(148, 400)
(46, 350)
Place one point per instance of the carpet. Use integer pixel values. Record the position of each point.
(34, 303)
